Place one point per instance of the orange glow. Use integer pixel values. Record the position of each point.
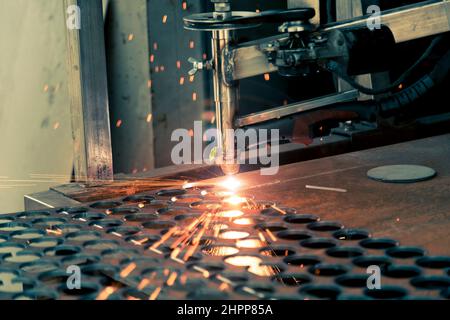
(231, 214)
(178, 64)
(127, 270)
(181, 81)
(164, 19)
(56, 232)
(143, 284)
(224, 286)
(234, 235)
(243, 261)
(155, 294)
(235, 200)
(130, 37)
(220, 227)
(220, 251)
(243, 221)
(184, 5)
(271, 235)
(249, 243)
(170, 282)
(223, 194)
(188, 185)
(149, 117)
(103, 295)
(266, 76)
(264, 271)
(194, 96)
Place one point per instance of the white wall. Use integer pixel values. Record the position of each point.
(35, 128)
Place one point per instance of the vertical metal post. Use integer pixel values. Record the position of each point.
(226, 97)
(88, 92)
(226, 94)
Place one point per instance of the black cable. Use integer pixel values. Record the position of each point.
(339, 70)
(390, 105)
(418, 89)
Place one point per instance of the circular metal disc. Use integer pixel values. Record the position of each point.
(207, 22)
(401, 173)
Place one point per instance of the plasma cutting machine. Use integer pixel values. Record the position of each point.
(309, 232)
(353, 50)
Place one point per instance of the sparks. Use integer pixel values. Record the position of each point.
(127, 270)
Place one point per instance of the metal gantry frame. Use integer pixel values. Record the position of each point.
(88, 92)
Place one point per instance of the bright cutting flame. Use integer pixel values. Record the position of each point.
(230, 183)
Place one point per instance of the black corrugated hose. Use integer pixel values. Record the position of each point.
(409, 94)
